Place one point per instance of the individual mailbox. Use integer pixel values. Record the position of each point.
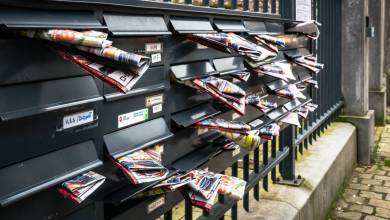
(42, 117)
(28, 177)
(144, 102)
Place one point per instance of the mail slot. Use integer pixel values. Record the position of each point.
(53, 114)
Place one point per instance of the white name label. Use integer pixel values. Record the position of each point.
(255, 123)
(153, 100)
(77, 119)
(236, 152)
(235, 116)
(156, 57)
(157, 108)
(132, 117)
(156, 204)
(153, 47)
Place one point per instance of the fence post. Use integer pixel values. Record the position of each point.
(287, 167)
(287, 9)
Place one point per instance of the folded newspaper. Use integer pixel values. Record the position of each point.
(302, 111)
(243, 76)
(269, 131)
(232, 186)
(232, 43)
(262, 104)
(308, 28)
(232, 97)
(280, 70)
(118, 79)
(139, 64)
(247, 141)
(270, 42)
(291, 118)
(86, 38)
(140, 167)
(223, 125)
(80, 187)
(231, 145)
(308, 61)
(311, 107)
(291, 92)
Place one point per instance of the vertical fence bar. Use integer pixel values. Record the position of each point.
(273, 155)
(234, 208)
(246, 178)
(265, 162)
(234, 4)
(273, 6)
(168, 215)
(205, 3)
(245, 5)
(220, 3)
(189, 2)
(256, 169)
(256, 5)
(265, 6)
(288, 164)
(287, 9)
(187, 210)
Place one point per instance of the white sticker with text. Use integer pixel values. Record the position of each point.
(132, 117)
(81, 118)
(153, 47)
(157, 108)
(156, 204)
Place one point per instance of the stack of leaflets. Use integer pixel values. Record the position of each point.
(248, 141)
(224, 91)
(270, 43)
(308, 28)
(269, 131)
(223, 125)
(308, 61)
(232, 186)
(262, 104)
(231, 145)
(253, 54)
(311, 107)
(280, 70)
(302, 111)
(96, 43)
(203, 190)
(291, 92)
(80, 187)
(140, 167)
(291, 118)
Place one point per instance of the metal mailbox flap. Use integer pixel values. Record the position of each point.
(193, 70)
(191, 116)
(36, 18)
(274, 28)
(31, 176)
(255, 27)
(230, 25)
(137, 137)
(229, 65)
(30, 99)
(138, 25)
(184, 25)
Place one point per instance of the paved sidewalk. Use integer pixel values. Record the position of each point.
(367, 194)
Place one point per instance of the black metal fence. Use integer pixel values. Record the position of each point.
(274, 160)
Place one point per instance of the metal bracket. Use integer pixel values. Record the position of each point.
(295, 182)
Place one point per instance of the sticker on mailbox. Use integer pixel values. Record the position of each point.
(156, 57)
(132, 117)
(156, 204)
(77, 119)
(153, 47)
(154, 100)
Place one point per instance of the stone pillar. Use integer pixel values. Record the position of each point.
(377, 85)
(387, 47)
(355, 81)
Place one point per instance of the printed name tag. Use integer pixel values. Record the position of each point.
(236, 152)
(235, 116)
(156, 57)
(156, 204)
(153, 47)
(157, 108)
(255, 123)
(153, 100)
(132, 117)
(77, 119)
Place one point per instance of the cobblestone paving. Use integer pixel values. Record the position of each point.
(367, 194)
